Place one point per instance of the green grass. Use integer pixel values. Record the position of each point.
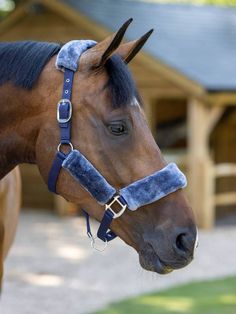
(206, 297)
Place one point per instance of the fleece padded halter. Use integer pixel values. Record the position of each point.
(139, 193)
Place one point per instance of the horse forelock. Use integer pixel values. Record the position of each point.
(121, 84)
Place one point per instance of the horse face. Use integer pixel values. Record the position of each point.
(110, 129)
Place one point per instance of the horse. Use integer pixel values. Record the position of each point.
(109, 127)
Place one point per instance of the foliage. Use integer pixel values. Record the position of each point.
(5, 7)
(208, 297)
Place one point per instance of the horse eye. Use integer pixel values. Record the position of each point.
(117, 128)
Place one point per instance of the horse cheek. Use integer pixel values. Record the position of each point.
(46, 148)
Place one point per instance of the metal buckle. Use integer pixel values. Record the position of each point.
(116, 200)
(61, 102)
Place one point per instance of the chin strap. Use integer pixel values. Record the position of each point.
(104, 233)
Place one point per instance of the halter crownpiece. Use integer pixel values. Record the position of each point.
(139, 193)
(68, 56)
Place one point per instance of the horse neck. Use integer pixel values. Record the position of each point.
(20, 121)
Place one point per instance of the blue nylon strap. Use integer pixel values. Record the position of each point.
(68, 82)
(122, 200)
(103, 231)
(86, 215)
(55, 170)
(64, 114)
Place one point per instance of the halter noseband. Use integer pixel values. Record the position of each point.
(139, 193)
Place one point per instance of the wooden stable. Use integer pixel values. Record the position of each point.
(167, 93)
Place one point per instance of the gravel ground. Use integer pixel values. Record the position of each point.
(51, 268)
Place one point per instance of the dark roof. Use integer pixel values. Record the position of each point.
(197, 41)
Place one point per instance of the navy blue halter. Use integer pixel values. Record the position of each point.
(64, 115)
(139, 193)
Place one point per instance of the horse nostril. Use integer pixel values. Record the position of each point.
(184, 244)
(180, 242)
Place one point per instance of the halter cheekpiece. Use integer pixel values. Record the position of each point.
(139, 193)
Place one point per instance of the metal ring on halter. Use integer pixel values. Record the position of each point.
(68, 144)
(93, 243)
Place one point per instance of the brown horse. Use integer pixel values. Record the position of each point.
(108, 126)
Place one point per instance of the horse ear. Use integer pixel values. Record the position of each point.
(101, 52)
(113, 42)
(129, 50)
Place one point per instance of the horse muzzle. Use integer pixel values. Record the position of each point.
(163, 254)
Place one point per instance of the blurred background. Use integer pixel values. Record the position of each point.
(186, 75)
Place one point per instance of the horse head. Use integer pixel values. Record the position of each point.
(109, 127)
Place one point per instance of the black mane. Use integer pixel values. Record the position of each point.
(22, 62)
(120, 83)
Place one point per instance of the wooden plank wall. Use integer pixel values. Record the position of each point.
(45, 26)
(224, 142)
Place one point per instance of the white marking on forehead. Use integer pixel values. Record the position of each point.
(135, 102)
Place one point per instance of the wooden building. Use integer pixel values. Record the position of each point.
(186, 73)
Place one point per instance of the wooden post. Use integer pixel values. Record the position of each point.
(201, 173)
(149, 107)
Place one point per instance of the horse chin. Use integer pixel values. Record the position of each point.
(150, 261)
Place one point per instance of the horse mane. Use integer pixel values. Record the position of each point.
(22, 62)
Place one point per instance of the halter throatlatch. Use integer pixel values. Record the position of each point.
(139, 193)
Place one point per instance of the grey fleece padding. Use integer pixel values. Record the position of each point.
(68, 56)
(89, 177)
(139, 193)
(152, 188)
